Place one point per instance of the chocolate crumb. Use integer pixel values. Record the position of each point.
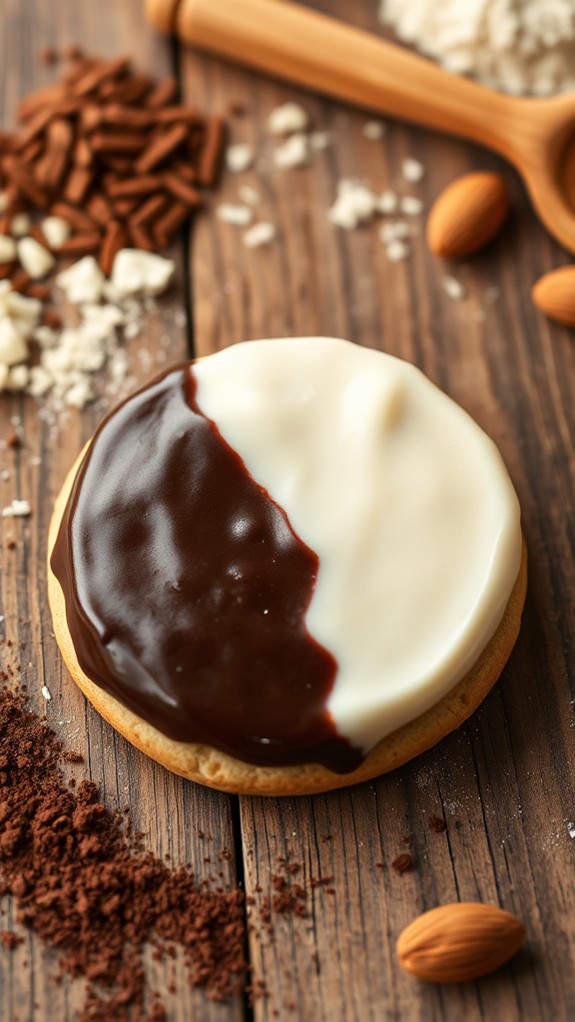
(72, 52)
(48, 55)
(403, 863)
(437, 824)
(14, 441)
(10, 940)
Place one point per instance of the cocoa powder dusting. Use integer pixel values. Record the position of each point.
(83, 884)
(403, 863)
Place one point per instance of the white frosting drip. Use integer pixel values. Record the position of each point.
(403, 497)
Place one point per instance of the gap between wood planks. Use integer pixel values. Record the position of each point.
(235, 811)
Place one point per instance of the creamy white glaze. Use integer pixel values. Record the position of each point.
(404, 498)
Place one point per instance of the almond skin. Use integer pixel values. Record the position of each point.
(467, 215)
(460, 942)
(554, 294)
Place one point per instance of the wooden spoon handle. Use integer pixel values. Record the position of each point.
(311, 49)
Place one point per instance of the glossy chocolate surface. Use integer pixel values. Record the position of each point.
(186, 588)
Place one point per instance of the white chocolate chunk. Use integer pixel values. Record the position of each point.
(13, 347)
(36, 260)
(82, 282)
(7, 249)
(138, 272)
(20, 225)
(56, 230)
(287, 118)
(18, 378)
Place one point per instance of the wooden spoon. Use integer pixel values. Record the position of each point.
(311, 49)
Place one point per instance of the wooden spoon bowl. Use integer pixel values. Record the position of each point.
(311, 49)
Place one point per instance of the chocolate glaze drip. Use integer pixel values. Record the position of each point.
(186, 587)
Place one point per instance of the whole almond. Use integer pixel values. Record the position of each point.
(554, 294)
(467, 215)
(460, 942)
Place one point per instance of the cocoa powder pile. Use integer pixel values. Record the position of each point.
(87, 889)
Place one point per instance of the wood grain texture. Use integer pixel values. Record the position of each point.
(190, 824)
(505, 781)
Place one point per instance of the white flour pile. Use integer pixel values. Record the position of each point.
(517, 46)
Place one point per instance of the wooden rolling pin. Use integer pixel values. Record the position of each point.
(314, 50)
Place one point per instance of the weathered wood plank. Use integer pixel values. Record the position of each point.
(171, 812)
(505, 781)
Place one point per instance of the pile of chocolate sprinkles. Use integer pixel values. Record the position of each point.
(114, 154)
(84, 885)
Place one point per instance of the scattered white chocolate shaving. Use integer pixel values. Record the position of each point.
(411, 205)
(240, 216)
(454, 288)
(287, 118)
(293, 153)
(355, 204)
(17, 509)
(412, 170)
(249, 195)
(397, 250)
(374, 130)
(259, 234)
(387, 202)
(239, 157)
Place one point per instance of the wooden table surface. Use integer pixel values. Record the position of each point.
(505, 781)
